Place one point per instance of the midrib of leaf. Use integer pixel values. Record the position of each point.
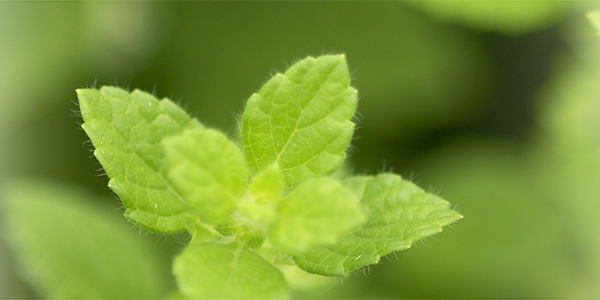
(302, 110)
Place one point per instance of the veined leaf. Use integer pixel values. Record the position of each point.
(208, 171)
(398, 214)
(301, 120)
(126, 130)
(218, 271)
(316, 213)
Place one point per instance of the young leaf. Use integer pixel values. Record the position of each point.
(398, 214)
(266, 187)
(301, 120)
(208, 171)
(263, 192)
(316, 213)
(218, 271)
(126, 130)
(70, 245)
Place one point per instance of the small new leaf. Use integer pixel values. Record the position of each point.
(218, 271)
(263, 193)
(301, 120)
(208, 171)
(126, 131)
(266, 187)
(398, 214)
(316, 213)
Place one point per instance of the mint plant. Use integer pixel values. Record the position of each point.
(269, 202)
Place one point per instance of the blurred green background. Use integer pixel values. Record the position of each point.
(494, 106)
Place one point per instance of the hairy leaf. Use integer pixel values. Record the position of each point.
(218, 271)
(316, 213)
(208, 171)
(126, 130)
(398, 214)
(301, 120)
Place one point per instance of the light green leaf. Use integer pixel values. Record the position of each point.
(208, 171)
(398, 214)
(316, 213)
(267, 186)
(126, 130)
(70, 245)
(263, 192)
(218, 271)
(301, 120)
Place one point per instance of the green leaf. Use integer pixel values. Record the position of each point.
(398, 214)
(70, 245)
(301, 120)
(263, 192)
(266, 187)
(218, 271)
(126, 130)
(316, 213)
(208, 171)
